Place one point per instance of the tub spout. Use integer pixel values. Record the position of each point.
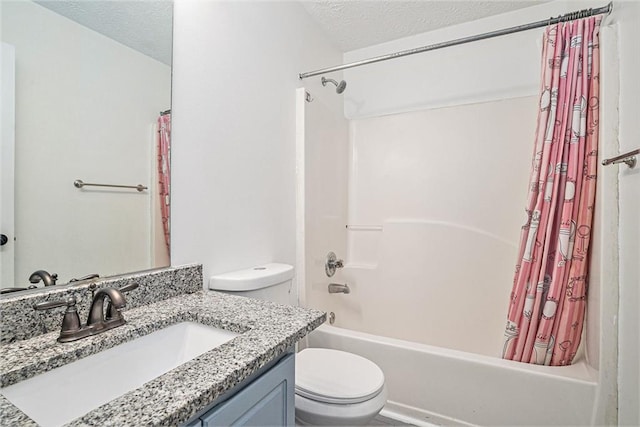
(337, 288)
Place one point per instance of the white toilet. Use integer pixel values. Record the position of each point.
(332, 387)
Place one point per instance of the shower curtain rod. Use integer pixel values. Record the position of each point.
(562, 18)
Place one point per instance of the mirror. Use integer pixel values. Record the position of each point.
(91, 79)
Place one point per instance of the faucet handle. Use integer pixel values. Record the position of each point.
(332, 263)
(47, 305)
(87, 277)
(71, 319)
(129, 287)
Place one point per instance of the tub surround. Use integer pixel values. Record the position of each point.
(19, 321)
(267, 331)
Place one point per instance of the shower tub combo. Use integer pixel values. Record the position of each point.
(430, 248)
(429, 278)
(439, 340)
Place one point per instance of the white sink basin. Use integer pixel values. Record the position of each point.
(68, 392)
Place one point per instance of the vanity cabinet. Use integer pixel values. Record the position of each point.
(268, 399)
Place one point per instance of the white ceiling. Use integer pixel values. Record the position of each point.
(352, 24)
(146, 25)
(143, 25)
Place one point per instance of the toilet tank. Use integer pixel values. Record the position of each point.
(271, 282)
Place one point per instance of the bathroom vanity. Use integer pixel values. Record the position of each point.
(268, 400)
(248, 377)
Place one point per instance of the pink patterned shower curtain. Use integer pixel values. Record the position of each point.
(164, 174)
(547, 305)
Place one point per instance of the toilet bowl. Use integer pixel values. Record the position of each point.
(332, 387)
(337, 388)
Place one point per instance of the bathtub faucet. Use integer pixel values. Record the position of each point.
(337, 288)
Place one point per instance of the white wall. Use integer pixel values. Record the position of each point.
(7, 164)
(628, 21)
(602, 305)
(85, 106)
(322, 151)
(235, 78)
(446, 187)
(493, 69)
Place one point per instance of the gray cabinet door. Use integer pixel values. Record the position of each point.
(267, 401)
(194, 423)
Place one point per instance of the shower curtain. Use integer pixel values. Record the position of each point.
(164, 174)
(547, 304)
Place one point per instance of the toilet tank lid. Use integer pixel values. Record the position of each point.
(252, 278)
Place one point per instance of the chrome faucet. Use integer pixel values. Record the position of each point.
(96, 322)
(47, 279)
(337, 288)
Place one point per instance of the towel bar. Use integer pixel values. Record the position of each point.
(78, 183)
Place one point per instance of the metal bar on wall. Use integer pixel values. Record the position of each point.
(539, 24)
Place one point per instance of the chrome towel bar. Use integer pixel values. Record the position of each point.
(78, 183)
(628, 158)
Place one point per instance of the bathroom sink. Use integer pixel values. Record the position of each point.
(70, 391)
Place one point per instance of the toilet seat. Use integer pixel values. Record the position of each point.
(336, 377)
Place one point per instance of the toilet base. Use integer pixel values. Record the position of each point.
(311, 412)
(335, 422)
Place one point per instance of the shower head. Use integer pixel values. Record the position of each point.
(340, 87)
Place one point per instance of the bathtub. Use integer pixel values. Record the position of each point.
(431, 385)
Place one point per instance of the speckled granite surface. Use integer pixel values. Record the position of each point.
(267, 330)
(19, 321)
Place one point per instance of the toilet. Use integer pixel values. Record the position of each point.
(337, 388)
(332, 387)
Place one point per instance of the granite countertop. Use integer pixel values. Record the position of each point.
(266, 330)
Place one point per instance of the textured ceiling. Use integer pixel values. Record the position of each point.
(353, 24)
(145, 26)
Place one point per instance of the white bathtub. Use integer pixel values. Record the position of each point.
(432, 385)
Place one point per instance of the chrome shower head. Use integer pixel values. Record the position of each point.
(340, 87)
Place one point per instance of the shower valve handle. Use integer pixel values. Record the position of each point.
(332, 263)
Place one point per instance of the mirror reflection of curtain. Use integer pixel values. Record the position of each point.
(164, 173)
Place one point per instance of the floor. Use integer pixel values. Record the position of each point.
(377, 422)
(380, 420)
